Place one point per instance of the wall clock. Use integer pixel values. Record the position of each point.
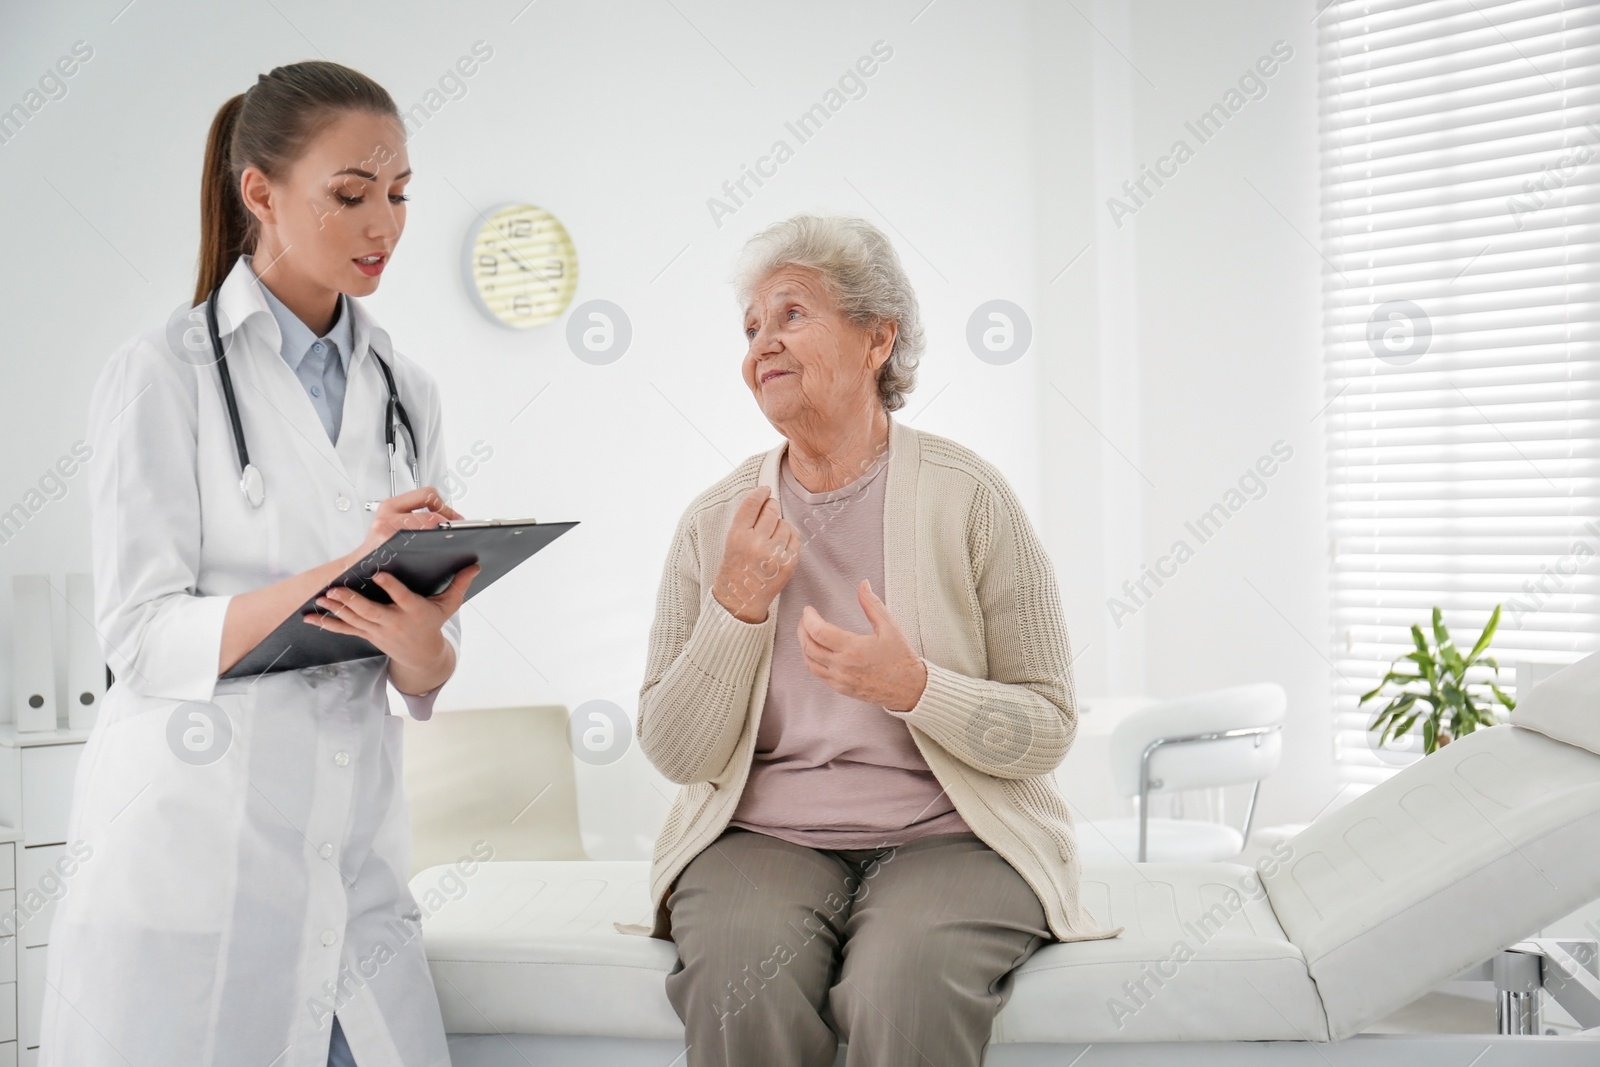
(521, 265)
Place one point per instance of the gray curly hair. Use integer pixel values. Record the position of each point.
(862, 271)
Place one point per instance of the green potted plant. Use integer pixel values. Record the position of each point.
(1449, 706)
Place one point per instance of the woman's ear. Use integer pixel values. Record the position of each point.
(256, 192)
(883, 336)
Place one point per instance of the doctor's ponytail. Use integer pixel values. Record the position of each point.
(269, 126)
(223, 228)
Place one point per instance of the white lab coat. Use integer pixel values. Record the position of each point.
(226, 909)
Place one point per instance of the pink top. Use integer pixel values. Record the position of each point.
(831, 771)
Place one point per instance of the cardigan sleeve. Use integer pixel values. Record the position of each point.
(1020, 721)
(700, 670)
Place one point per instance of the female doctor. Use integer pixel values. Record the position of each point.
(244, 844)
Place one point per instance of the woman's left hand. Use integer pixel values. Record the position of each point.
(879, 668)
(408, 630)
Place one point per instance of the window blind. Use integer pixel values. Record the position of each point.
(1460, 163)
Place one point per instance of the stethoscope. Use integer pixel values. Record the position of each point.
(250, 481)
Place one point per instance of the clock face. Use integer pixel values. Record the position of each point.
(521, 265)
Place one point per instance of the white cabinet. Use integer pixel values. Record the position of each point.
(10, 1001)
(32, 999)
(42, 879)
(36, 776)
(47, 772)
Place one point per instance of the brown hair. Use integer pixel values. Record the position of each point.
(269, 126)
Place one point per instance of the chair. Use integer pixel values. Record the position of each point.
(498, 775)
(1208, 740)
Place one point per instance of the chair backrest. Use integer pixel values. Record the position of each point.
(1204, 765)
(499, 775)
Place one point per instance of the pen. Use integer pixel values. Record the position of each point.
(372, 505)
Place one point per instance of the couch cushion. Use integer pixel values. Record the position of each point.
(465, 769)
(529, 947)
(1566, 705)
(1107, 841)
(1438, 868)
(1201, 958)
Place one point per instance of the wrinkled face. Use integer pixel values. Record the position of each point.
(342, 203)
(806, 360)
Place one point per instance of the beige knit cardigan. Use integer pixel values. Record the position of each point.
(969, 583)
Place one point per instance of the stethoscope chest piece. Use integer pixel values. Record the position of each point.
(252, 485)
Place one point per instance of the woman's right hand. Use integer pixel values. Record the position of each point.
(760, 557)
(401, 513)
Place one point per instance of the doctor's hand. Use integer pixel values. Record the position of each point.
(401, 513)
(408, 630)
(880, 667)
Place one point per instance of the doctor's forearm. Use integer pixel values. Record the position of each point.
(252, 616)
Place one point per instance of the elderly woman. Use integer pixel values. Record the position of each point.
(860, 674)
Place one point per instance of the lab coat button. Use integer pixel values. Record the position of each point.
(342, 502)
(329, 937)
(342, 758)
(325, 851)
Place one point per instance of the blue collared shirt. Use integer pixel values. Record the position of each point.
(319, 363)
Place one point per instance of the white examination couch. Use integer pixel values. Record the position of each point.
(1426, 878)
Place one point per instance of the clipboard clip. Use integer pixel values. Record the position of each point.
(478, 524)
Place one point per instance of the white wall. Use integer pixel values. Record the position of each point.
(1185, 338)
(1203, 354)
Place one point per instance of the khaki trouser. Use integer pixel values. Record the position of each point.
(903, 953)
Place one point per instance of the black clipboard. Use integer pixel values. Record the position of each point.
(425, 560)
